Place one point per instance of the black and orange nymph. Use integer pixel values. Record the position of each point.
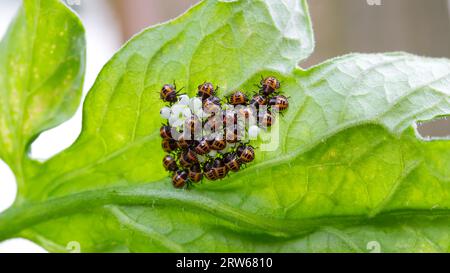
(168, 93)
(206, 90)
(238, 98)
(269, 85)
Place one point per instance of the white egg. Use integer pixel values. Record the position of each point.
(187, 112)
(183, 100)
(178, 123)
(178, 109)
(173, 118)
(195, 104)
(253, 131)
(165, 112)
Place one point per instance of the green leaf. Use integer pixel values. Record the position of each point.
(42, 63)
(349, 174)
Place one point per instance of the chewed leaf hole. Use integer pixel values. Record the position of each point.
(8, 186)
(437, 128)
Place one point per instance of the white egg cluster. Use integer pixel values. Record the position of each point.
(185, 107)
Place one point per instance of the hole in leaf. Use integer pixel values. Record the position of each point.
(8, 186)
(57, 139)
(437, 128)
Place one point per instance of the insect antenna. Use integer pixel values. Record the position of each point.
(178, 92)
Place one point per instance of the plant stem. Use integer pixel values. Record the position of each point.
(16, 219)
(19, 218)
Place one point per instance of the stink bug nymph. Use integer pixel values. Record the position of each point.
(169, 145)
(258, 100)
(188, 158)
(168, 93)
(206, 90)
(209, 171)
(238, 98)
(202, 147)
(269, 85)
(231, 161)
(182, 142)
(211, 105)
(179, 179)
(218, 143)
(280, 102)
(219, 168)
(166, 132)
(195, 173)
(266, 119)
(246, 153)
(169, 163)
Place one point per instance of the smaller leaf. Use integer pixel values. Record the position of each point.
(42, 63)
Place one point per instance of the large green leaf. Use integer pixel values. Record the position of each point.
(42, 63)
(349, 171)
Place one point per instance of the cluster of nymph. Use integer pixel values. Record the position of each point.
(203, 136)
